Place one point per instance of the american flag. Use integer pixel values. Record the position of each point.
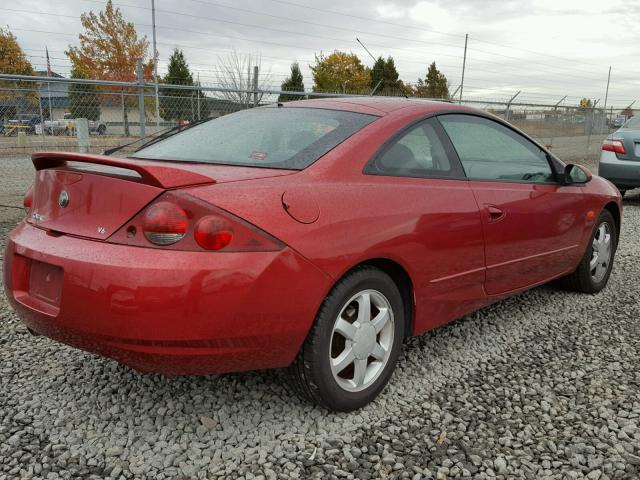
(48, 63)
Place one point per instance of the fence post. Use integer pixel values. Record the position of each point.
(255, 86)
(140, 95)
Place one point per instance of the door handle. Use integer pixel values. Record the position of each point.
(495, 214)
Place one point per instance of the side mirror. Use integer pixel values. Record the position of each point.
(576, 175)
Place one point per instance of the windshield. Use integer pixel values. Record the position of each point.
(633, 123)
(273, 137)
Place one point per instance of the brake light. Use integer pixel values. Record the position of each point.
(178, 221)
(213, 233)
(165, 223)
(614, 145)
(27, 202)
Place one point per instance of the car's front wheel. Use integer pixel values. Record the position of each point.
(594, 270)
(352, 348)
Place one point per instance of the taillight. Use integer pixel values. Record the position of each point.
(165, 223)
(27, 202)
(213, 233)
(614, 145)
(178, 221)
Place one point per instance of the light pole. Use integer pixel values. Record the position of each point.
(155, 61)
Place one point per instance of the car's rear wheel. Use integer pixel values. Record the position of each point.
(352, 348)
(594, 270)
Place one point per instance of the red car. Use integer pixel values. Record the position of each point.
(315, 235)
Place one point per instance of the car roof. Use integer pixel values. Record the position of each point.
(376, 105)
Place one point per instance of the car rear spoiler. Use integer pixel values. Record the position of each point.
(150, 172)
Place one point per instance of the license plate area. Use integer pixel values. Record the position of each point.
(45, 282)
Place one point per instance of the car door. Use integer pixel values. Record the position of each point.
(442, 243)
(532, 224)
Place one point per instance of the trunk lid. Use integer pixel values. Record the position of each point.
(93, 196)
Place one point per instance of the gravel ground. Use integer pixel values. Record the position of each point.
(543, 385)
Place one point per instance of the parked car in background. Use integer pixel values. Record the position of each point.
(22, 122)
(618, 121)
(315, 235)
(620, 157)
(66, 126)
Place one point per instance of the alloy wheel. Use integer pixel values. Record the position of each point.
(601, 253)
(361, 340)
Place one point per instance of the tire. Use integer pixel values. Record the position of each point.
(102, 129)
(583, 278)
(345, 389)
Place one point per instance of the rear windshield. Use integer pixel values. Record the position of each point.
(273, 137)
(633, 123)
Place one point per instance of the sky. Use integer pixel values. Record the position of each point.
(545, 49)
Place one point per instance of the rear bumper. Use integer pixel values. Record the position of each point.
(164, 311)
(622, 173)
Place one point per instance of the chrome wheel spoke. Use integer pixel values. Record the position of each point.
(378, 352)
(364, 308)
(343, 360)
(359, 372)
(344, 328)
(380, 319)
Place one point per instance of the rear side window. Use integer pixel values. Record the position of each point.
(418, 152)
(273, 137)
(491, 151)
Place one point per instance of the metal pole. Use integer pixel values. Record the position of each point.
(508, 113)
(464, 65)
(155, 61)
(140, 96)
(255, 86)
(606, 95)
(453, 95)
(555, 119)
(198, 91)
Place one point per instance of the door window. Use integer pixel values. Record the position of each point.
(416, 153)
(490, 151)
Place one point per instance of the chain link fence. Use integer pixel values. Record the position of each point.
(42, 113)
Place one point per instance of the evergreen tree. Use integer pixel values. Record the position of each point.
(294, 83)
(435, 85)
(84, 100)
(179, 104)
(385, 73)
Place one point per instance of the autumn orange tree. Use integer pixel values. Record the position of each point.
(340, 72)
(14, 61)
(109, 48)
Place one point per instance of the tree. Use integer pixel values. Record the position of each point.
(84, 100)
(237, 73)
(108, 50)
(385, 76)
(14, 61)
(294, 83)
(435, 84)
(340, 72)
(180, 104)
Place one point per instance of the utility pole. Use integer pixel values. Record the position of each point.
(464, 64)
(155, 61)
(140, 96)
